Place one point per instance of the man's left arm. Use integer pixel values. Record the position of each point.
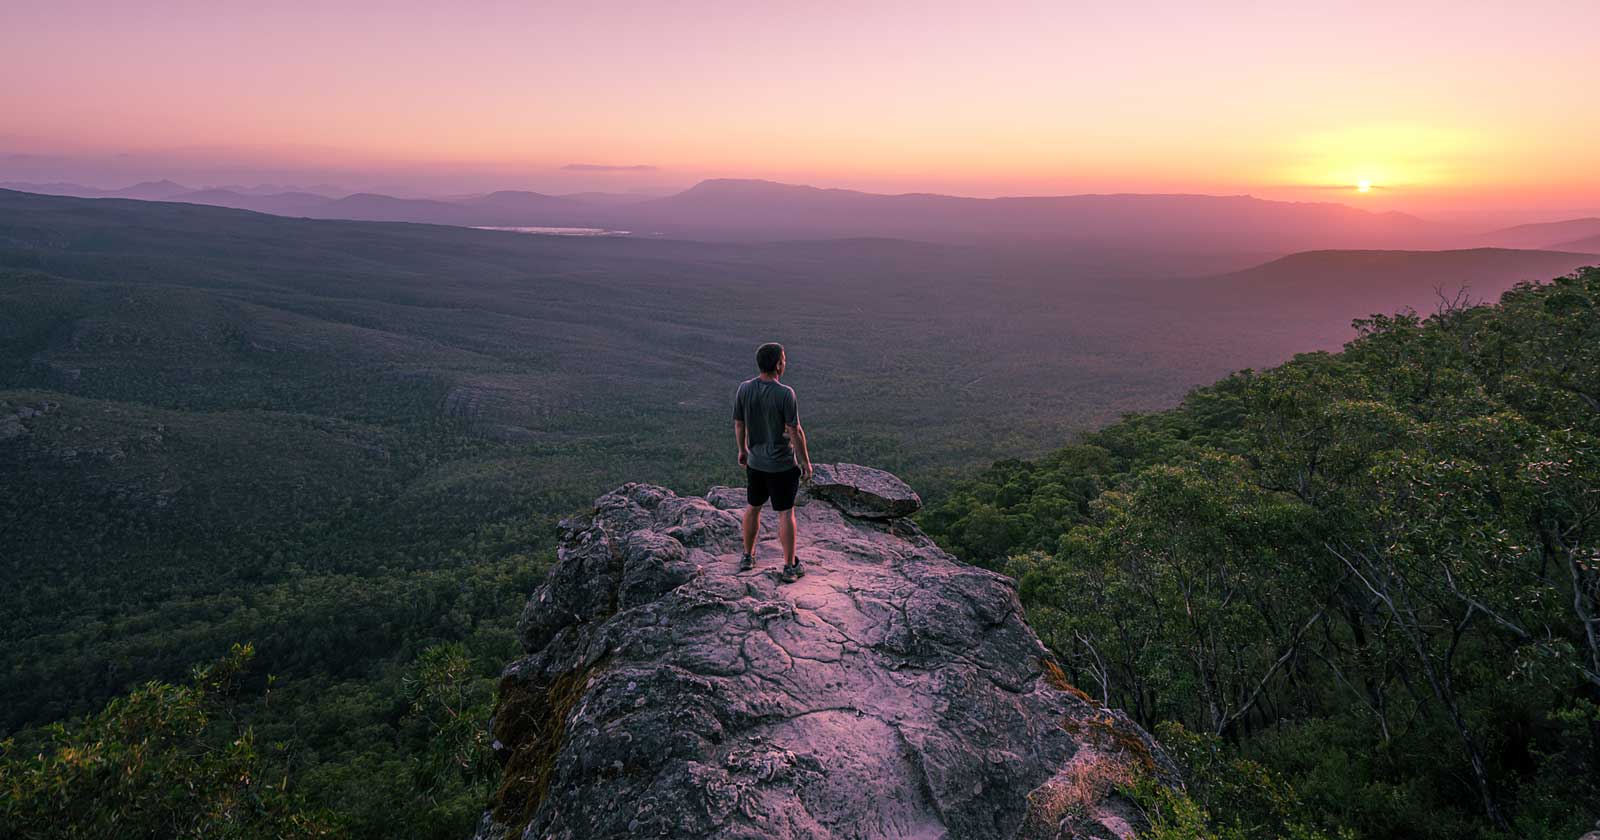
(802, 453)
(797, 435)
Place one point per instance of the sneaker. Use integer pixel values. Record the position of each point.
(792, 572)
(747, 562)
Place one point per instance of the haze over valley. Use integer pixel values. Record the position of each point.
(342, 439)
(568, 363)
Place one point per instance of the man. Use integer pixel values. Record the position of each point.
(766, 425)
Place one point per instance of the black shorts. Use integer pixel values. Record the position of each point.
(781, 487)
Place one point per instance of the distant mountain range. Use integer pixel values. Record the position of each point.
(503, 208)
(144, 191)
(732, 210)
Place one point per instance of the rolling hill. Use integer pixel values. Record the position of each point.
(279, 203)
(1389, 280)
(1587, 245)
(1308, 299)
(1561, 236)
(521, 204)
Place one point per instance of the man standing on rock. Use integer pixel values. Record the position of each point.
(766, 424)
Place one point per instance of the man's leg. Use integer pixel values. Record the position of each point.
(752, 526)
(756, 495)
(786, 487)
(786, 535)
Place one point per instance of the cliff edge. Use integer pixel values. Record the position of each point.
(892, 692)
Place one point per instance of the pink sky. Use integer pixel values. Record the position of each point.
(1449, 108)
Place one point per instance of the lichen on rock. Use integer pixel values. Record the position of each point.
(892, 692)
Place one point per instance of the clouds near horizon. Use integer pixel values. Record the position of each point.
(606, 167)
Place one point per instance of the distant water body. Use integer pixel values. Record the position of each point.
(560, 231)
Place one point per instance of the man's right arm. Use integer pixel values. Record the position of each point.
(739, 438)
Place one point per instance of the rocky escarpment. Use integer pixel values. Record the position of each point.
(892, 692)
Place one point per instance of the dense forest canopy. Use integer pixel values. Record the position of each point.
(1371, 577)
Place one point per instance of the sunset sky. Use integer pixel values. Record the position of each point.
(1448, 108)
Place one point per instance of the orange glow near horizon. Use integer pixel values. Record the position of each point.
(1439, 107)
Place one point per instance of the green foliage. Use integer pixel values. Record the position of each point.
(1176, 815)
(1358, 592)
(1227, 796)
(456, 771)
(1018, 505)
(183, 761)
(165, 761)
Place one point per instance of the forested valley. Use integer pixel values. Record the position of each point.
(273, 491)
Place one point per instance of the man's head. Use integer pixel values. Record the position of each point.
(770, 358)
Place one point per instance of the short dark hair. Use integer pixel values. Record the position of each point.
(767, 356)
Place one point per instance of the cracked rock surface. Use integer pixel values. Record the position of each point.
(892, 692)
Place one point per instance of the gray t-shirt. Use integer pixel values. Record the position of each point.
(767, 408)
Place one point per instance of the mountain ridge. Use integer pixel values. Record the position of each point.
(755, 209)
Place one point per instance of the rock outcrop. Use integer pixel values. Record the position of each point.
(863, 492)
(891, 692)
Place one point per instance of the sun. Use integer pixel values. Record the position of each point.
(1363, 186)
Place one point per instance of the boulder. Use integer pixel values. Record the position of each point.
(891, 692)
(863, 491)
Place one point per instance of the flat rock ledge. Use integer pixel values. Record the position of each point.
(893, 692)
(863, 491)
